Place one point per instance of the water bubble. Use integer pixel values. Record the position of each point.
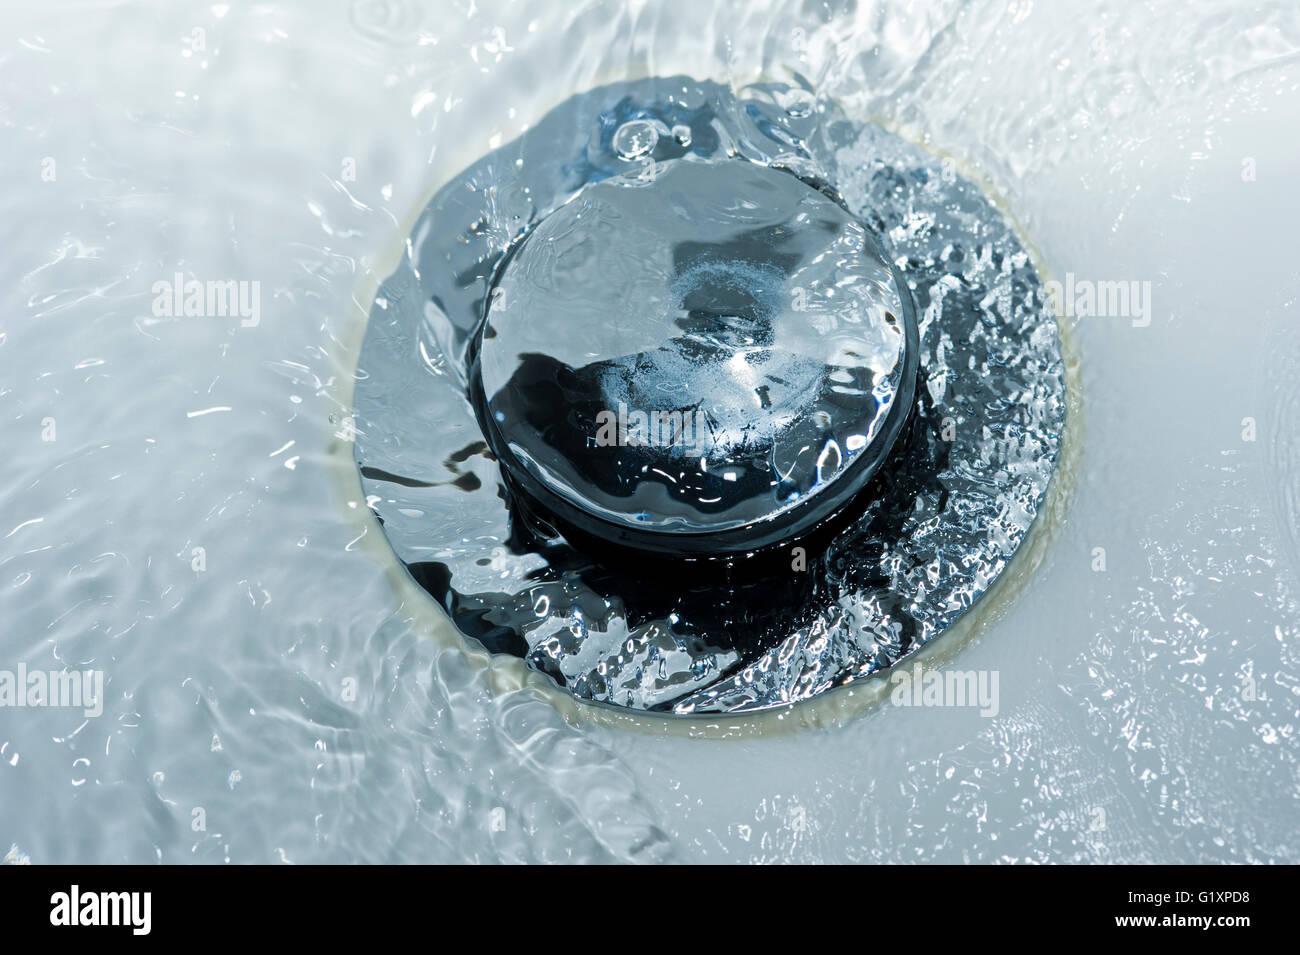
(636, 138)
(682, 134)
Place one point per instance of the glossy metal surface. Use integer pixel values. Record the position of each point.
(696, 357)
(936, 526)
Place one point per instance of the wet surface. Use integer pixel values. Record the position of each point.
(297, 689)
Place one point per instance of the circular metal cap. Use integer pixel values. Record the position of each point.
(700, 358)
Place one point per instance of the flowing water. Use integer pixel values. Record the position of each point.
(199, 204)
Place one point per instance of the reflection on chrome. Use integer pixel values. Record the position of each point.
(707, 403)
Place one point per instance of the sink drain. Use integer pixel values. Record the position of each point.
(702, 403)
(698, 359)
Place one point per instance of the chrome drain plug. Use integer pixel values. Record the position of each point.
(705, 402)
(701, 358)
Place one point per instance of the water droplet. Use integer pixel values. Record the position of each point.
(635, 138)
(682, 134)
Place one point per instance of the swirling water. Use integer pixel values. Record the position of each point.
(280, 695)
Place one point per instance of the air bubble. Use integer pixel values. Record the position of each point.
(636, 138)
